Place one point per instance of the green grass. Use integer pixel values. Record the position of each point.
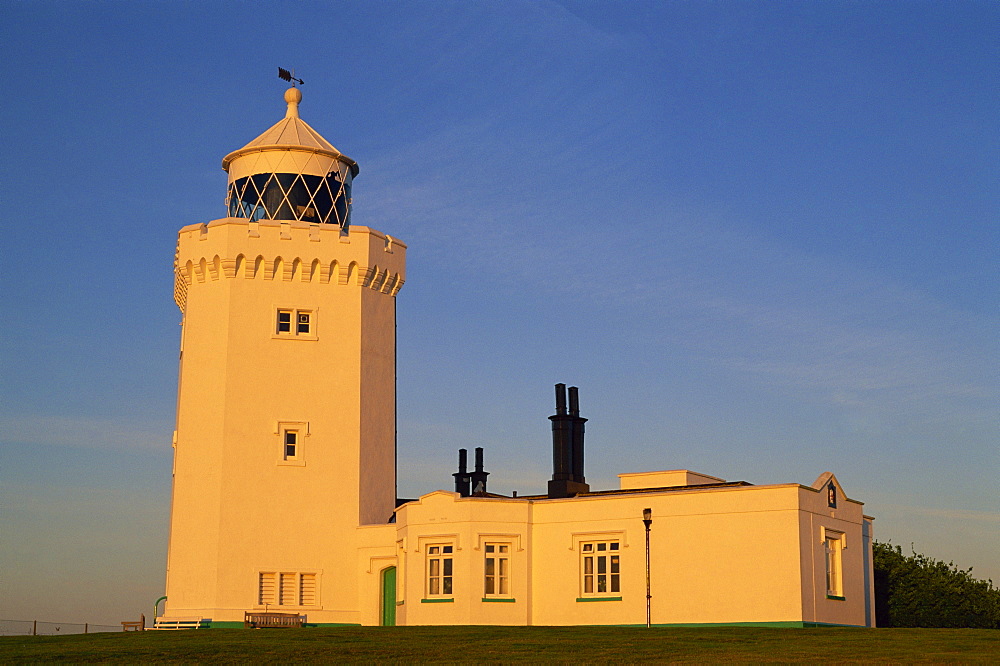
(513, 644)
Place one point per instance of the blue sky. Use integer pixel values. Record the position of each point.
(761, 237)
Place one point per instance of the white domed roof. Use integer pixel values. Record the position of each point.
(290, 133)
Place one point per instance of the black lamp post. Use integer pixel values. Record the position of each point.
(647, 520)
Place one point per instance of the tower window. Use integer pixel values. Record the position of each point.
(294, 323)
(291, 444)
(284, 321)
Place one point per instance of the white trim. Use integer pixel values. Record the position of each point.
(512, 538)
(610, 535)
(436, 539)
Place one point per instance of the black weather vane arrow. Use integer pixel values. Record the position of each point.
(285, 75)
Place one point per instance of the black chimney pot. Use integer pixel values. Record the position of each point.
(478, 477)
(462, 479)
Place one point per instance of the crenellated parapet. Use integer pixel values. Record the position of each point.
(289, 251)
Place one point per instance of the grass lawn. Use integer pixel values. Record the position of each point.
(514, 644)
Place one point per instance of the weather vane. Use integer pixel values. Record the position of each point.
(285, 75)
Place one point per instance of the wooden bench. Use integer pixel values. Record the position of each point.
(268, 620)
(172, 623)
(138, 625)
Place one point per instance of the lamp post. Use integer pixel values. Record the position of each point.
(647, 520)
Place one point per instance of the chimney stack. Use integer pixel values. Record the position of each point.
(567, 446)
(462, 479)
(478, 477)
(577, 437)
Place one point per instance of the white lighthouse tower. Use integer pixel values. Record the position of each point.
(285, 436)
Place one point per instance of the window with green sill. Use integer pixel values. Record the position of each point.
(496, 571)
(833, 545)
(439, 571)
(600, 569)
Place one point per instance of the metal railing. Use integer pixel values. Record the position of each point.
(40, 628)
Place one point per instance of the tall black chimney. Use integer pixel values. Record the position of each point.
(462, 479)
(567, 446)
(577, 436)
(562, 440)
(478, 477)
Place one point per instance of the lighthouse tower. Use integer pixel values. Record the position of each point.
(285, 436)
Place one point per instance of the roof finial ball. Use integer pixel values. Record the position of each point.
(293, 96)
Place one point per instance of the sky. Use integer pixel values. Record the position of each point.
(761, 238)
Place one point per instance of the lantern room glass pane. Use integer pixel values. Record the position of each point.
(288, 196)
(323, 198)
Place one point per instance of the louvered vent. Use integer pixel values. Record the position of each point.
(287, 590)
(265, 588)
(307, 589)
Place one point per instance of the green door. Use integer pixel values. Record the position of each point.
(389, 597)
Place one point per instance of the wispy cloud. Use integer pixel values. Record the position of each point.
(84, 432)
(695, 280)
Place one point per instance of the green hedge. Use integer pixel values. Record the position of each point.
(919, 591)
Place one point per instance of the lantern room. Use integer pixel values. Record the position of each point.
(290, 172)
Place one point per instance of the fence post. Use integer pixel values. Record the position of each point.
(34, 627)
